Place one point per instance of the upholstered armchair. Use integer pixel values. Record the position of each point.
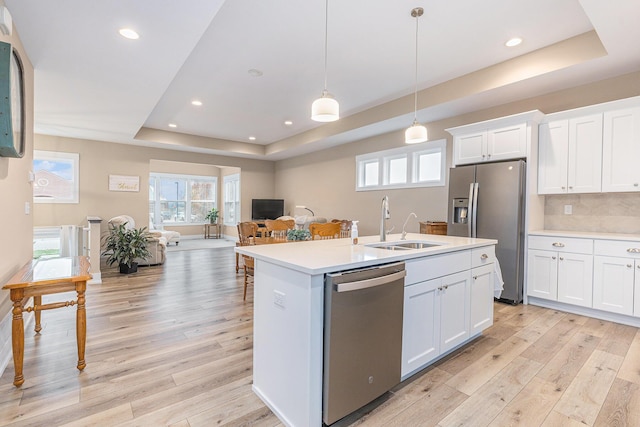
(157, 243)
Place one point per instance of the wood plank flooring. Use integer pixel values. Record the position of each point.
(172, 346)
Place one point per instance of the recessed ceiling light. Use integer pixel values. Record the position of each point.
(252, 138)
(254, 73)
(288, 123)
(196, 103)
(173, 125)
(129, 33)
(513, 42)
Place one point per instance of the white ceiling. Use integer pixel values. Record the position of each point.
(93, 84)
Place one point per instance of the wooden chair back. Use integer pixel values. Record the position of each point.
(247, 232)
(279, 227)
(345, 227)
(328, 230)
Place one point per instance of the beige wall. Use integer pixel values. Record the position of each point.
(325, 181)
(16, 227)
(100, 159)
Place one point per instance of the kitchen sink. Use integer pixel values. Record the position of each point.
(403, 245)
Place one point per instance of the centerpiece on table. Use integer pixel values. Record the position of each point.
(298, 235)
(212, 216)
(123, 245)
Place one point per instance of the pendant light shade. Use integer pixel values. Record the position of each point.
(416, 133)
(325, 108)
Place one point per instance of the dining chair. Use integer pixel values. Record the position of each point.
(278, 228)
(345, 227)
(248, 263)
(247, 232)
(327, 230)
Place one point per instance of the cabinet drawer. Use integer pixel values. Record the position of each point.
(561, 244)
(617, 248)
(482, 256)
(434, 266)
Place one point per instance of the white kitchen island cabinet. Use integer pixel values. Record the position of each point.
(289, 310)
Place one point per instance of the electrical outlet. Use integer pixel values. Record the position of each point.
(568, 209)
(278, 298)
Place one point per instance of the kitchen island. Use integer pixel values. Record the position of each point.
(448, 300)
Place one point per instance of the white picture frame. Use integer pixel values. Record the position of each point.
(129, 183)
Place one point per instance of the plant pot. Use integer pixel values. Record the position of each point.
(125, 269)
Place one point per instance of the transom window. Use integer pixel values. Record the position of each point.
(231, 199)
(420, 165)
(181, 199)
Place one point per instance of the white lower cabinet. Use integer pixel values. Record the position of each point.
(560, 269)
(613, 284)
(436, 318)
(482, 284)
(560, 276)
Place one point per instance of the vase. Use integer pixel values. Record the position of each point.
(126, 269)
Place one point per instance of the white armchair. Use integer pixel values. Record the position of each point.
(157, 244)
(170, 236)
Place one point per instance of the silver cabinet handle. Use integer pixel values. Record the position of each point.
(558, 245)
(564, 188)
(635, 184)
(553, 257)
(484, 256)
(561, 259)
(570, 188)
(475, 277)
(634, 250)
(629, 265)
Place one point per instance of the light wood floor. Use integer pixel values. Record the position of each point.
(172, 345)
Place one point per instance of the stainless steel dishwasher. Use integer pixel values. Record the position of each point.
(362, 337)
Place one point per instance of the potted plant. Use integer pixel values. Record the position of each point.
(298, 235)
(124, 245)
(212, 216)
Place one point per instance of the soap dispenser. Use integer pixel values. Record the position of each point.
(354, 232)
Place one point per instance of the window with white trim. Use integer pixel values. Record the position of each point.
(181, 199)
(231, 199)
(419, 165)
(56, 177)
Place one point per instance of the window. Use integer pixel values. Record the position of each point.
(420, 165)
(181, 199)
(56, 177)
(231, 199)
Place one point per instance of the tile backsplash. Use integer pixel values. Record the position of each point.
(602, 213)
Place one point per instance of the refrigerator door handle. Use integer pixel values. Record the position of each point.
(474, 211)
(470, 214)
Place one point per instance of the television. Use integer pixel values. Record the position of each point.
(262, 209)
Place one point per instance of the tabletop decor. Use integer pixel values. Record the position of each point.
(212, 215)
(298, 235)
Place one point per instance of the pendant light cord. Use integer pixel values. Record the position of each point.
(326, 41)
(415, 98)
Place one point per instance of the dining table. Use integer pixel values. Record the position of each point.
(266, 240)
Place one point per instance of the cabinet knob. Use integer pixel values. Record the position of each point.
(553, 257)
(558, 245)
(564, 188)
(635, 184)
(629, 265)
(561, 259)
(475, 277)
(446, 286)
(484, 256)
(570, 188)
(488, 156)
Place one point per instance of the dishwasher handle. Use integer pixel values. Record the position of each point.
(370, 283)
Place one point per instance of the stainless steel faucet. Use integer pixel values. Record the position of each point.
(385, 215)
(404, 233)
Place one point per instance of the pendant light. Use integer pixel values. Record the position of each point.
(325, 108)
(416, 132)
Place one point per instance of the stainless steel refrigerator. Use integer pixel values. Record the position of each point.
(488, 201)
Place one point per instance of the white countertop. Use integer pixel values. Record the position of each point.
(324, 256)
(587, 235)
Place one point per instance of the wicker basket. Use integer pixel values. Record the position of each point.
(433, 227)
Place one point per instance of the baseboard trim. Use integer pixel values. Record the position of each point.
(586, 311)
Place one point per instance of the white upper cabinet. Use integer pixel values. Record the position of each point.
(621, 150)
(570, 155)
(494, 140)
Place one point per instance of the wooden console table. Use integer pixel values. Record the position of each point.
(44, 277)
